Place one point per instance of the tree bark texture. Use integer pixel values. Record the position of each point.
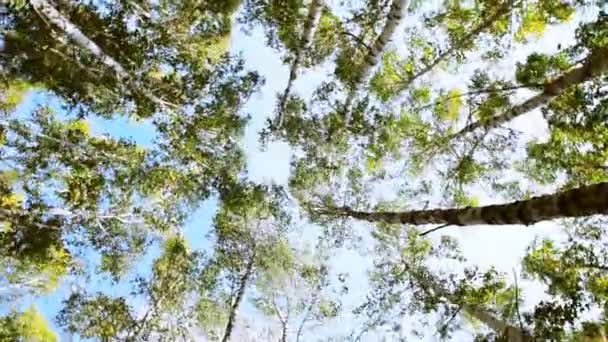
(373, 56)
(583, 201)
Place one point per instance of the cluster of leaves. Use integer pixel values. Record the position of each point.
(66, 191)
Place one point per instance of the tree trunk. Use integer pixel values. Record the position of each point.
(373, 56)
(501, 327)
(238, 299)
(74, 33)
(310, 27)
(583, 201)
(50, 14)
(284, 332)
(303, 322)
(595, 64)
(501, 12)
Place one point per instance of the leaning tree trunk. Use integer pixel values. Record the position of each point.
(583, 201)
(50, 14)
(74, 33)
(243, 282)
(595, 65)
(500, 326)
(310, 27)
(373, 56)
(486, 24)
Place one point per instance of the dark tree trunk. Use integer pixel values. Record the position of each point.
(583, 201)
(244, 281)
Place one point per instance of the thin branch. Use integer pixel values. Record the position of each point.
(481, 92)
(521, 325)
(595, 267)
(449, 321)
(276, 309)
(357, 39)
(304, 320)
(434, 229)
(502, 11)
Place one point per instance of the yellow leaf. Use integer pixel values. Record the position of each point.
(80, 126)
(474, 201)
(373, 164)
(533, 24)
(454, 104)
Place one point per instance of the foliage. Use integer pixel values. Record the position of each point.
(28, 325)
(107, 222)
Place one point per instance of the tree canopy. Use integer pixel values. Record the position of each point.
(133, 201)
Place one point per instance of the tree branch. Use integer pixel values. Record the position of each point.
(357, 39)
(435, 229)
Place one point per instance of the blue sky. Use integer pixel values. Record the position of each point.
(502, 247)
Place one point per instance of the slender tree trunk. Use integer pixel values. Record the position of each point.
(49, 12)
(595, 64)
(583, 201)
(373, 56)
(74, 33)
(244, 281)
(501, 327)
(310, 27)
(284, 332)
(501, 12)
(303, 322)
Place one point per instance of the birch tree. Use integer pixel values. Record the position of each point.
(583, 201)
(249, 231)
(312, 21)
(297, 297)
(408, 278)
(167, 313)
(371, 59)
(116, 75)
(593, 66)
(490, 23)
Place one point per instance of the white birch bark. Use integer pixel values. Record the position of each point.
(372, 58)
(595, 65)
(310, 27)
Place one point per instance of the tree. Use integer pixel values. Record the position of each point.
(574, 274)
(493, 19)
(249, 231)
(412, 124)
(404, 282)
(594, 66)
(168, 315)
(307, 40)
(296, 296)
(583, 201)
(574, 120)
(111, 75)
(372, 57)
(113, 192)
(312, 21)
(408, 279)
(28, 325)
